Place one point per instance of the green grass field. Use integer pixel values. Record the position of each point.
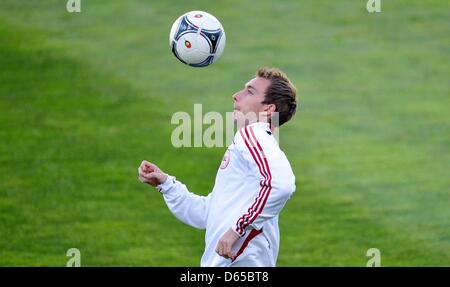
(85, 97)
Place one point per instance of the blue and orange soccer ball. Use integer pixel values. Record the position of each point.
(197, 39)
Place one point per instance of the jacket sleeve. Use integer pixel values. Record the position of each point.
(272, 172)
(189, 208)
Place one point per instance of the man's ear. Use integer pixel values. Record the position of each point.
(270, 108)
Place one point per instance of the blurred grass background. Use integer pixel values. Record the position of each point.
(85, 97)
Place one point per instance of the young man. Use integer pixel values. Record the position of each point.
(252, 185)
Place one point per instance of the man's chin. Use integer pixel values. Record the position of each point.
(236, 115)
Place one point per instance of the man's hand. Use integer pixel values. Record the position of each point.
(225, 243)
(151, 174)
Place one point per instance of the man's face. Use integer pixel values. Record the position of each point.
(250, 98)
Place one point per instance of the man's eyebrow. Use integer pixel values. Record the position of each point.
(251, 87)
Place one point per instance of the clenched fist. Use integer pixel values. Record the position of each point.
(151, 174)
(225, 244)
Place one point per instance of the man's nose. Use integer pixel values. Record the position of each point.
(235, 97)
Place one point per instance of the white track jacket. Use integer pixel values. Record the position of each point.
(252, 185)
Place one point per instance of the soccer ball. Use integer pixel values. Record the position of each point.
(197, 39)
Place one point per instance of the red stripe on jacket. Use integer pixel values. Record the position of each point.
(263, 195)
